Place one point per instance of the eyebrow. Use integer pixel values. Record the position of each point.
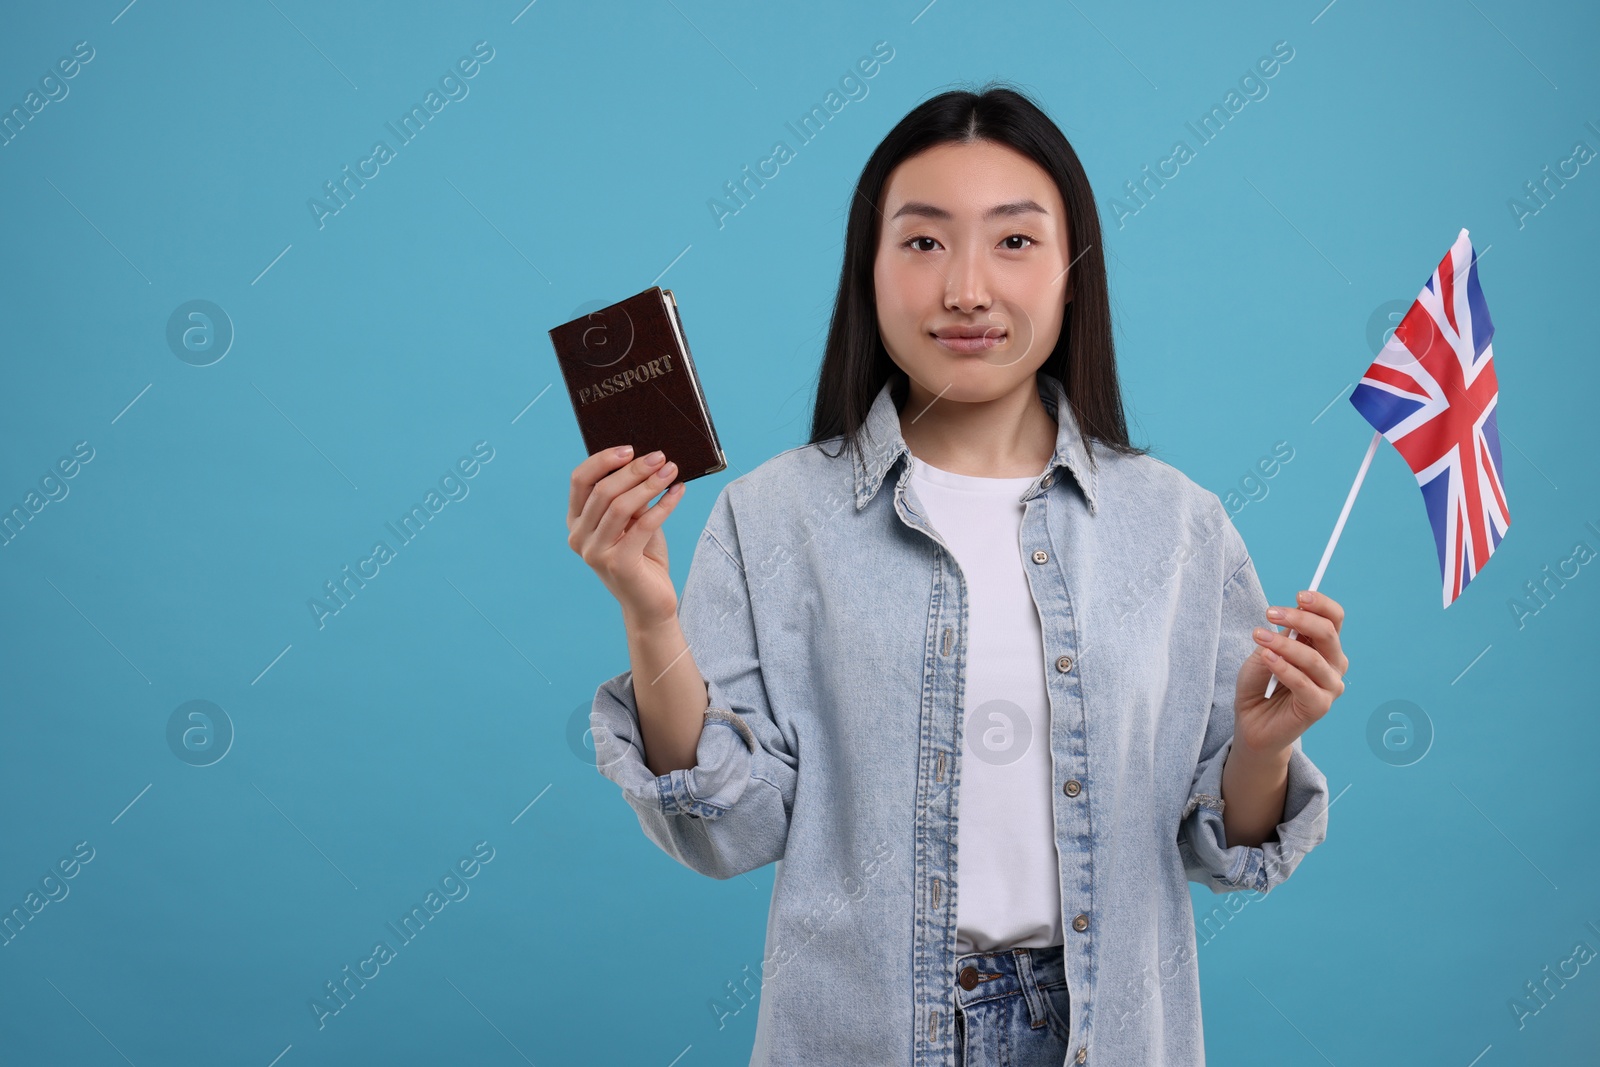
(930, 211)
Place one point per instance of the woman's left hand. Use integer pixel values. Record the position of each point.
(1310, 670)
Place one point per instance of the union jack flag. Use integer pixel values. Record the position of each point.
(1432, 393)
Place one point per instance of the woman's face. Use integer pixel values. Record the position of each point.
(972, 240)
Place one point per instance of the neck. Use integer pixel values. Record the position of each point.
(1010, 436)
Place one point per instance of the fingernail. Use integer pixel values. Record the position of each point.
(1305, 598)
(655, 457)
(625, 450)
(1261, 635)
(1275, 613)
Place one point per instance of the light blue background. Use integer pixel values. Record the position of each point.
(445, 704)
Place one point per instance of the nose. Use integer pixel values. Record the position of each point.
(966, 288)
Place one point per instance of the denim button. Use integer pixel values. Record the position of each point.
(1040, 555)
(1083, 1053)
(1063, 664)
(1081, 923)
(1047, 482)
(1072, 788)
(968, 977)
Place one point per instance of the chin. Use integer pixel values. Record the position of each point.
(966, 379)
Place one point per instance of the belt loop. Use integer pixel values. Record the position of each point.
(1030, 987)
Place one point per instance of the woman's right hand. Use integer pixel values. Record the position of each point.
(617, 535)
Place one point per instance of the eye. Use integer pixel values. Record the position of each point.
(911, 242)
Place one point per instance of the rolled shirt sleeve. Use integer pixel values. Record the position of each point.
(1207, 856)
(729, 813)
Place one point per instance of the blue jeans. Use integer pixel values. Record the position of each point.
(1012, 1008)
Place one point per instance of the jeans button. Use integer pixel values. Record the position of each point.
(1080, 923)
(968, 977)
(1072, 787)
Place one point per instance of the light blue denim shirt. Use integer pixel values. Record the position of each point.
(830, 621)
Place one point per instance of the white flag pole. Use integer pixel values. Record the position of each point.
(1344, 513)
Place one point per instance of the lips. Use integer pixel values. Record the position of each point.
(966, 339)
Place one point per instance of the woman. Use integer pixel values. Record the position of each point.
(967, 587)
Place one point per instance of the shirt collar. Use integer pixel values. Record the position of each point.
(882, 445)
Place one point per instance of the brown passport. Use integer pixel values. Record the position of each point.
(632, 382)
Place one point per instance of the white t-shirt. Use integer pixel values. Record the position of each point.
(1009, 892)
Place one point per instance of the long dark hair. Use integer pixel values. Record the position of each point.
(855, 365)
